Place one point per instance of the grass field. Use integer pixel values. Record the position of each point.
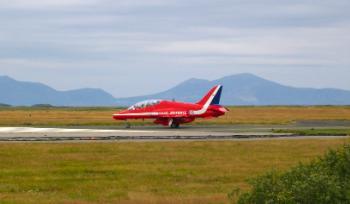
(148, 172)
(315, 132)
(103, 116)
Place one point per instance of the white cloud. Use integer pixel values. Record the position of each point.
(178, 38)
(53, 64)
(28, 4)
(39, 4)
(329, 44)
(260, 60)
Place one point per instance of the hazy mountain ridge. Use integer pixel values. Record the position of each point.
(248, 89)
(29, 93)
(240, 89)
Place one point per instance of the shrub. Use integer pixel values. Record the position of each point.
(324, 180)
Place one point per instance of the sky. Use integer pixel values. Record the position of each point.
(137, 47)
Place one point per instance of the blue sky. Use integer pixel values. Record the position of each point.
(135, 47)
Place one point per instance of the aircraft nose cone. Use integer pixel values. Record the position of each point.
(118, 116)
(115, 116)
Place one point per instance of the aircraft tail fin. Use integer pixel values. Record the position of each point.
(212, 97)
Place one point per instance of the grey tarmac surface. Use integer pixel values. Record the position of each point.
(143, 134)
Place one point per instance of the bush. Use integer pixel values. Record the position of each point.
(42, 106)
(325, 180)
(4, 105)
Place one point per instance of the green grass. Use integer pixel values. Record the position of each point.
(316, 132)
(147, 172)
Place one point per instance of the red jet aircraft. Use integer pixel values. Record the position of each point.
(173, 113)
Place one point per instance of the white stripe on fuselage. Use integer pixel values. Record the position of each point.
(137, 114)
(161, 113)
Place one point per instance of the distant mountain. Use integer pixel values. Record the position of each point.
(28, 93)
(248, 89)
(240, 89)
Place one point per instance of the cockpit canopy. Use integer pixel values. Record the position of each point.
(144, 104)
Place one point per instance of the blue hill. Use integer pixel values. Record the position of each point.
(28, 93)
(240, 89)
(248, 89)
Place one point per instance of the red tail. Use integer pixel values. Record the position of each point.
(212, 97)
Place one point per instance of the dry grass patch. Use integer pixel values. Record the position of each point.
(103, 116)
(282, 114)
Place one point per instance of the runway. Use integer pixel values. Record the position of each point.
(155, 134)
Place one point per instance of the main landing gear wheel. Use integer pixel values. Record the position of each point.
(173, 124)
